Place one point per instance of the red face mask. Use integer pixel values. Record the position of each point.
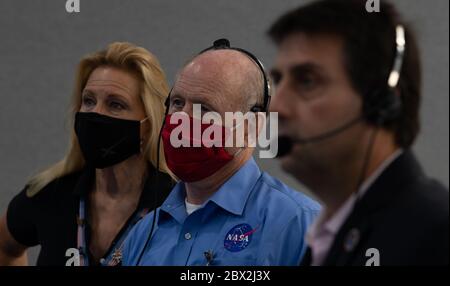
(192, 164)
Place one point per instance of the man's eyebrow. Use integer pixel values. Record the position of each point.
(297, 70)
(196, 99)
(304, 68)
(202, 100)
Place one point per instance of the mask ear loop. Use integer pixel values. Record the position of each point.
(258, 127)
(141, 141)
(238, 151)
(234, 128)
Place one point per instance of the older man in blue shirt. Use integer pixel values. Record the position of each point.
(224, 211)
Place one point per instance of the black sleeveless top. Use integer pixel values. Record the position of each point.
(49, 218)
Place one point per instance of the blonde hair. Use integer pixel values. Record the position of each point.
(153, 92)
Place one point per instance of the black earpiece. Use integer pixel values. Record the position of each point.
(167, 101)
(384, 105)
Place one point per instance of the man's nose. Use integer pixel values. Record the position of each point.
(188, 108)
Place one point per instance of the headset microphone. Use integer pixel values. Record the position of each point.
(286, 143)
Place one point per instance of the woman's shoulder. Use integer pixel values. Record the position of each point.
(58, 188)
(26, 215)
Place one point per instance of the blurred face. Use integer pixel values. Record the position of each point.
(314, 96)
(113, 92)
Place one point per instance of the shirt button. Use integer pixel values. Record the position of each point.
(187, 236)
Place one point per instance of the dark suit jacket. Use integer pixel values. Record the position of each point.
(404, 215)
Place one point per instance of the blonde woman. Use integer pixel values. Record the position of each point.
(80, 210)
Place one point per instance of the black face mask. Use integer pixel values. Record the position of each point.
(106, 141)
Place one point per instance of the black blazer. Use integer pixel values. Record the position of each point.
(404, 215)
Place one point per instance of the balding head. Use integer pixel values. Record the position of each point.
(220, 80)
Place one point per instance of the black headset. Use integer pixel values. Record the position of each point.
(384, 105)
(224, 44)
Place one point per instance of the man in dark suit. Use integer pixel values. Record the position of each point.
(348, 96)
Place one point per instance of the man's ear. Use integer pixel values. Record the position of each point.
(260, 122)
(253, 129)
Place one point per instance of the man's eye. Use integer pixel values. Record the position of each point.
(205, 109)
(177, 103)
(306, 82)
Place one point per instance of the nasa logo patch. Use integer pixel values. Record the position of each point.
(239, 237)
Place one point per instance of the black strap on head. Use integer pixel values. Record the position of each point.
(223, 44)
(167, 102)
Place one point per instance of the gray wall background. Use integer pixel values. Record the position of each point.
(41, 44)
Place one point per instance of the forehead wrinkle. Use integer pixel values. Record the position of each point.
(201, 86)
(108, 83)
(111, 79)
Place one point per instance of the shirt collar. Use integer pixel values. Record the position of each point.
(231, 196)
(372, 178)
(174, 204)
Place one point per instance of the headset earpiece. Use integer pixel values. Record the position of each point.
(392, 108)
(385, 105)
(382, 107)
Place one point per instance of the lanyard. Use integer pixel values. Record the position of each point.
(114, 257)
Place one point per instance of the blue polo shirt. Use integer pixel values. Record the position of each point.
(253, 219)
